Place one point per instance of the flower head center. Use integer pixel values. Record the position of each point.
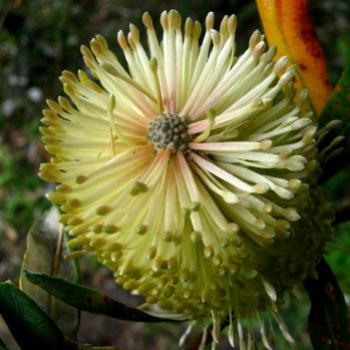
(169, 130)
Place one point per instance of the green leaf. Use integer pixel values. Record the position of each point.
(338, 107)
(89, 300)
(44, 254)
(328, 319)
(29, 325)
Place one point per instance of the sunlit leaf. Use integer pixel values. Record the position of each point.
(44, 254)
(89, 300)
(328, 319)
(29, 325)
(288, 25)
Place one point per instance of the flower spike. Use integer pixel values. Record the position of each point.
(191, 172)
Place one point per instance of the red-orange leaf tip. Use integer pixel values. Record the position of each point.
(288, 25)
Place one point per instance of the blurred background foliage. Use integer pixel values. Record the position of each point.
(40, 38)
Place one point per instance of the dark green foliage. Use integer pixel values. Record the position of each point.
(328, 320)
(88, 299)
(338, 107)
(30, 326)
(339, 256)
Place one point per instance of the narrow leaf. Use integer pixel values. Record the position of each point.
(29, 325)
(89, 300)
(44, 254)
(288, 26)
(328, 319)
(338, 107)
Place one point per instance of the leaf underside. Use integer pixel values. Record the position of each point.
(44, 253)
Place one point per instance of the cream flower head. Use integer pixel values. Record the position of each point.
(188, 174)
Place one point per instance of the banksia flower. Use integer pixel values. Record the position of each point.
(191, 173)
